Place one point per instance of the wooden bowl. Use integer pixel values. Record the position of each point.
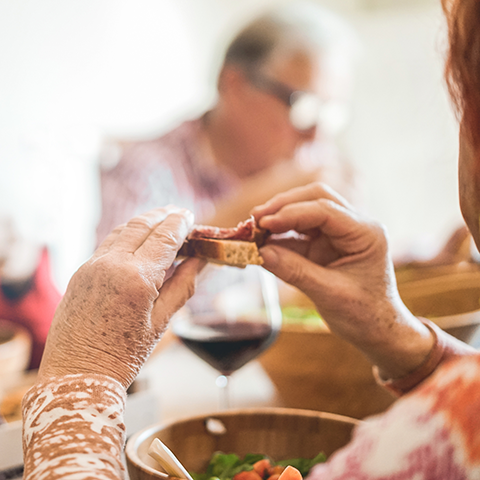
(276, 432)
(313, 369)
(15, 345)
(451, 299)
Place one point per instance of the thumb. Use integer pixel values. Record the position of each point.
(175, 292)
(295, 269)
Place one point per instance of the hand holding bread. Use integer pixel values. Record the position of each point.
(340, 259)
(119, 302)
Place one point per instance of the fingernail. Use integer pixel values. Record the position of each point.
(255, 211)
(264, 221)
(269, 255)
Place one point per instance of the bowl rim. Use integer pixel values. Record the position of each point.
(15, 329)
(18, 343)
(134, 441)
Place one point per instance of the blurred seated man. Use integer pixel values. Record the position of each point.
(282, 89)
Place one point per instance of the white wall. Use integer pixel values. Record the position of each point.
(73, 71)
(69, 73)
(403, 135)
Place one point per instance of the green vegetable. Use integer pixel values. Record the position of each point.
(224, 466)
(303, 316)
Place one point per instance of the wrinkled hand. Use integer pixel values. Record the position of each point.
(117, 305)
(341, 261)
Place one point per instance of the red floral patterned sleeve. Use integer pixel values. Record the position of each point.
(432, 433)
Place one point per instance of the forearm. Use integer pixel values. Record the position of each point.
(73, 425)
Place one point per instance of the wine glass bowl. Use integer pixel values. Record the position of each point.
(233, 317)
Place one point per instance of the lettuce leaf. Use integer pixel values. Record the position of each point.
(224, 466)
(304, 464)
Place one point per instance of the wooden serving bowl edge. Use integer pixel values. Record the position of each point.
(280, 433)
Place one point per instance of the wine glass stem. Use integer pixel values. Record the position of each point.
(223, 384)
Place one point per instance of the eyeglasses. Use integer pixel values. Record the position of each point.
(307, 110)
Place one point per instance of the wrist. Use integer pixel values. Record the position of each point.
(404, 347)
(61, 363)
(403, 384)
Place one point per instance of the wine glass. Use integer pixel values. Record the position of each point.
(233, 317)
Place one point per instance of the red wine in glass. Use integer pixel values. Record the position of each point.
(228, 346)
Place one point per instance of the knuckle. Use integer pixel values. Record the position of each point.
(136, 284)
(140, 222)
(279, 197)
(327, 205)
(96, 266)
(128, 277)
(379, 229)
(381, 235)
(167, 238)
(130, 274)
(294, 274)
(318, 188)
(183, 219)
(326, 202)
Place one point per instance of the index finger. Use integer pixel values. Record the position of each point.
(312, 191)
(139, 228)
(164, 241)
(342, 226)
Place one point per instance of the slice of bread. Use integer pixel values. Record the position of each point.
(226, 252)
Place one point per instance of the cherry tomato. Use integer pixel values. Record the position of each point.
(250, 475)
(262, 467)
(290, 473)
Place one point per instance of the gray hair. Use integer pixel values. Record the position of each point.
(300, 26)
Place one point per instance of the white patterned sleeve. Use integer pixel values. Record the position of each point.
(73, 428)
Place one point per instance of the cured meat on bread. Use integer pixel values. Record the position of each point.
(237, 246)
(236, 253)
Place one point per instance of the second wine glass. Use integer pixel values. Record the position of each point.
(233, 317)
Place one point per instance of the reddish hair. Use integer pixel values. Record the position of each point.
(462, 69)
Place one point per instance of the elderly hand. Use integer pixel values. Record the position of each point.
(117, 305)
(341, 261)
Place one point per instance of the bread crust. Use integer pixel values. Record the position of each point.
(226, 252)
